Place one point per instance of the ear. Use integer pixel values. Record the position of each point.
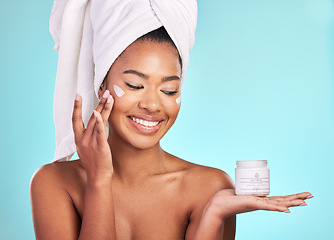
(102, 88)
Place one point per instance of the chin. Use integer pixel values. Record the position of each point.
(144, 142)
(135, 140)
(143, 145)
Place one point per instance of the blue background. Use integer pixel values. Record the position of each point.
(259, 86)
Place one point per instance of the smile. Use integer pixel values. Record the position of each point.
(145, 122)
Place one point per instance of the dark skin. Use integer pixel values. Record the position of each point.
(124, 186)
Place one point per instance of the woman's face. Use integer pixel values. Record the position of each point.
(147, 79)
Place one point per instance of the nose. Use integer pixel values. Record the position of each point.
(150, 101)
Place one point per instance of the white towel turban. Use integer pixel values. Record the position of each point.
(91, 34)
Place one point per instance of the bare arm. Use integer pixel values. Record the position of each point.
(214, 227)
(54, 214)
(98, 221)
(203, 223)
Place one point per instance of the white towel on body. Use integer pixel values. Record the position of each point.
(90, 34)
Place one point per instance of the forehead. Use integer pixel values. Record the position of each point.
(148, 56)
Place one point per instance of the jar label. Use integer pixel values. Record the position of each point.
(252, 182)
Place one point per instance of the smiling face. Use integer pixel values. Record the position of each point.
(149, 75)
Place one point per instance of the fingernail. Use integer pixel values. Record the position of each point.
(310, 196)
(95, 113)
(105, 94)
(287, 211)
(303, 204)
(77, 97)
(109, 99)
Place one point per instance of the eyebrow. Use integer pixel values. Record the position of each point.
(144, 76)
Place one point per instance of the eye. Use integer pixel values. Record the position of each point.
(170, 93)
(133, 86)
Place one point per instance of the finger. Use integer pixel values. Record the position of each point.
(282, 206)
(303, 195)
(288, 203)
(102, 101)
(92, 120)
(99, 130)
(270, 205)
(90, 126)
(294, 203)
(78, 126)
(107, 109)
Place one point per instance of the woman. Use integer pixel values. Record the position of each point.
(124, 186)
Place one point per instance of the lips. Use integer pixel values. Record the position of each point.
(145, 124)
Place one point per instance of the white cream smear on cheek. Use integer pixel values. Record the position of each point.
(178, 100)
(119, 91)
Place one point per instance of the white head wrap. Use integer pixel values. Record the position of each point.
(91, 34)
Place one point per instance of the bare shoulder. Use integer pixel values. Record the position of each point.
(204, 179)
(55, 173)
(53, 211)
(57, 179)
(209, 179)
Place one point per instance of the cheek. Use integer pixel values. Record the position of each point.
(172, 108)
(125, 103)
(178, 100)
(121, 107)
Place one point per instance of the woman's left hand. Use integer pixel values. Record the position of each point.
(225, 203)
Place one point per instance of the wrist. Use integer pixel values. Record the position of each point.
(215, 212)
(211, 224)
(99, 179)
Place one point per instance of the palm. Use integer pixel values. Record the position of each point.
(227, 203)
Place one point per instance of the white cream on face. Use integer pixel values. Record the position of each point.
(178, 100)
(119, 91)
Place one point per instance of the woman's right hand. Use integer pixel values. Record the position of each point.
(92, 145)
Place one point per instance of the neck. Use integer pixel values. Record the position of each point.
(132, 165)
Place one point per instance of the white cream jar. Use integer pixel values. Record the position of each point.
(252, 178)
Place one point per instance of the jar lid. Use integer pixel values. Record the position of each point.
(251, 163)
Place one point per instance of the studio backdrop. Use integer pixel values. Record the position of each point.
(259, 86)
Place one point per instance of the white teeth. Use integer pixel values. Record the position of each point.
(144, 122)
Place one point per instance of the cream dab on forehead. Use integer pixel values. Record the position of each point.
(178, 100)
(119, 91)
